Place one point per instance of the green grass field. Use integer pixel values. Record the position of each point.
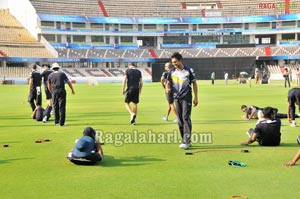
(31, 170)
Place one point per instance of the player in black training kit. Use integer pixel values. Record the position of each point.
(45, 74)
(35, 94)
(267, 130)
(169, 96)
(133, 80)
(40, 114)
(293, 99)
(56, 85)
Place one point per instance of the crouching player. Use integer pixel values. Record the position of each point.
(87, 150)
(41, 114)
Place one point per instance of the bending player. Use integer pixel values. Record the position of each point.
(253, 112)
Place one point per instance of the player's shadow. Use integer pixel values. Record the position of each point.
(295, 144)
(221, 147)
(100, 114)
(13, 117)
(13, 160)
(229, 122)
(111, 161)
(238, 146)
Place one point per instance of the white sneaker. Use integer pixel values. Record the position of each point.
(45, 119)
(164, 119)
(175, 121)
(184, 146)
(293, 123)
(250, 132)
(132, 119)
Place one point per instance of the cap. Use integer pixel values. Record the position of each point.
(55, 65)
(83, 147)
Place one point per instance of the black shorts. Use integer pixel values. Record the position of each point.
(48, 94)
(132, 95)
(294, 97)
(170, 97)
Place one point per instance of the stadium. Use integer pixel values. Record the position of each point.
(99, 41)
(94, 41)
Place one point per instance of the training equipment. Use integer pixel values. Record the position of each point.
(42, 140)
(217, 150)
(93, 82)
(238, 196)
(236, 163)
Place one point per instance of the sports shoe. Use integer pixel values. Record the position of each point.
(236, 163)
(175, 121)
(64, 125)
(298, 139)
(132, 119)
(250, 132)
(45, 119)
(164, 119)
(293, 123)
(184, 146)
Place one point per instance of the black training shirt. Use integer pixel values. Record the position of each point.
(294, 96)
(36, 79)
(57, 80)
(133, 78)
(45, 74)
(268, 132)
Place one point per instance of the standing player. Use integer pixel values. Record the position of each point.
(179, 80)
(133, 80)
(226, 78)
(293, 99)
(56, 85)
(286, 75)
(256, 75)
(212, 77)
(45, 74)
(169, 96)
(298, 76)
(35, 88)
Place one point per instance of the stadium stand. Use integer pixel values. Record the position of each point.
(78, 53)
(187, 53)
(166, 8)
(24, 72)
(16, 41)
(110, 43)
(96, 53)
(7, 20)
(288, 50)
(66, 7)
(15, 72)
(276, 71)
